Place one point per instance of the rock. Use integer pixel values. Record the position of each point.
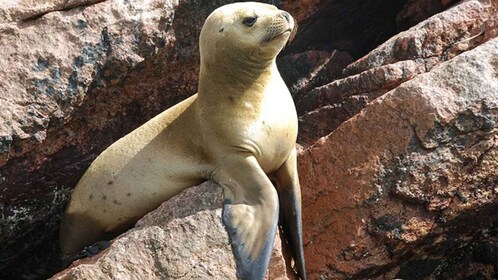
(437, 39)
(353, 26)
(410, 179)
(74, 52)
(404, 56)
(73, 82)
(307, 70)
(416, 11)
(29, 9)
(302, 10)
(183, 239)
(324, 108)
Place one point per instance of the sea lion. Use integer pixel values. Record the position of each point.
(239, 127)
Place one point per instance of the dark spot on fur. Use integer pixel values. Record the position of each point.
(116, 202)
(222, 29)
(128, 194)
(90, 197)
(110, 182)
(105, 211)
(104, 197)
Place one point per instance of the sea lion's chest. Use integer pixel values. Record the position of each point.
(272, 133)
(260, 120)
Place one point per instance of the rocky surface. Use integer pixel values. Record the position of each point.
(411, 179)
(116, 61)
(14, 11)
(407, 54)
(398, 120)
(182, 239)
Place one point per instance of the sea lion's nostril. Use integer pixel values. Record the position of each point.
(286, 16)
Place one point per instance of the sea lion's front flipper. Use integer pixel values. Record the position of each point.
(250, 215)
(289, 193)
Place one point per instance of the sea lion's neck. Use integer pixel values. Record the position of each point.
(234, 75)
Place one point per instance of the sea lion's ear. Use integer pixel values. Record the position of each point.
(250, 215)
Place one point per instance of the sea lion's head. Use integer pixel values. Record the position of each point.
(247, 31)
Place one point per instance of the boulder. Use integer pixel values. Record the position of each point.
(410, 180)
(183, 239)
(402, 57)
(74, 80)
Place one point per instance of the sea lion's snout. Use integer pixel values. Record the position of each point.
(281, 23)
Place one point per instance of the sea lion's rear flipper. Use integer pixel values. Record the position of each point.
(289, 193)
(250, 215)
(88, 251)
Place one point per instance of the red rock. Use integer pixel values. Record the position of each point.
(416, 162)
(406, 55)
(346, 97)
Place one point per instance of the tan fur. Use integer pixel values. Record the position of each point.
(241, 125)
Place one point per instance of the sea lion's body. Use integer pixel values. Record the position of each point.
(240, 126)
(129, 179)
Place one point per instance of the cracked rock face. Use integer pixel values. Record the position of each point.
(76, 77)
(398, 113)
(402, 57)
(415, 171)
(77, 51)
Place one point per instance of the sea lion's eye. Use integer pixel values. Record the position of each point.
(250, 21)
